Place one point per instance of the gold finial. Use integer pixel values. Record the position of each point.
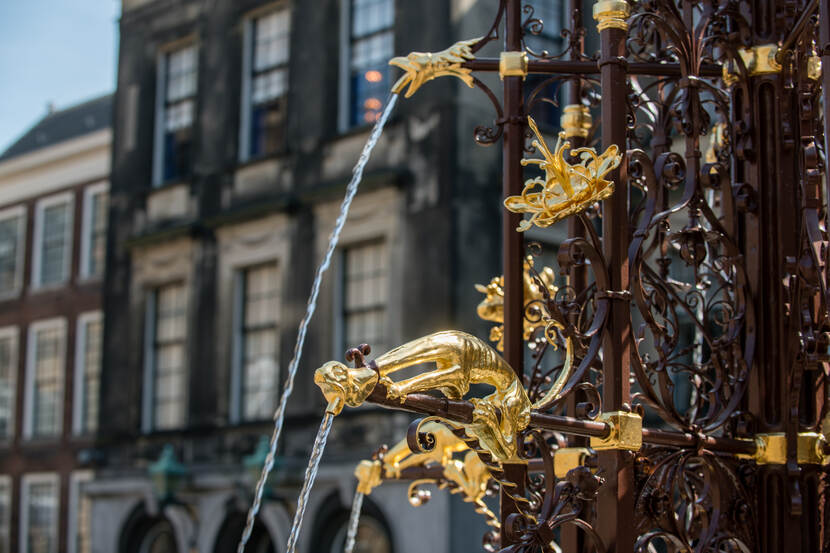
(611, 14)
(421, 67)
(576, 121)
(567, 188)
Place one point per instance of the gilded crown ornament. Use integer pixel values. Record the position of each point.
(421, 67)
(568, 188)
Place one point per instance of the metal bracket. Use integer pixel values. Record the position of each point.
(759, 60)
(568, 458)
(513, 64)
(576, 121)
(771, 449)
(626, 432)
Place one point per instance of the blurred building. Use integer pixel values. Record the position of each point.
(237, 123)
(53, 215)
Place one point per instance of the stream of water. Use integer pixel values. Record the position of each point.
(311, 306)
(354, 520)
(308, 482)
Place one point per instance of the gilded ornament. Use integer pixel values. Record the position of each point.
(446, 444)
(568, 188)
(576, 121)
(469, 474)
(491, 307)
(611, 14)
(421, 67)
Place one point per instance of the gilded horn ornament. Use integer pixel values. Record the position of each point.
(421, 67)
(568, 188)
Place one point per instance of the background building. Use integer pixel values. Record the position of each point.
(53, 215)
(236, 127)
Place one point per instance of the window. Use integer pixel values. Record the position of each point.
(5, 513)
(39, 513)
(12, 238)
(371, 46)
(53, 240)
(8, 381)
(176, 107)
(79, 539)
(93, 248)
(167, 371)
(364, 296)
(258, 352)
(44, 378)
(265, 83)
(87, 373)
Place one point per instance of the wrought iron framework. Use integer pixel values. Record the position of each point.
(676, 395)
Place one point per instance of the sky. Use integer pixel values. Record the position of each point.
(58, 51)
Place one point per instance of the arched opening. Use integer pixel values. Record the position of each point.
(148, 534)
(331, 525)
(231, 530)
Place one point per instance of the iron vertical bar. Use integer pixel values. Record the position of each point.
(615, 501)
(513, 241)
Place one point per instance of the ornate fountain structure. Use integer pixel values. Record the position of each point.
(675, 394)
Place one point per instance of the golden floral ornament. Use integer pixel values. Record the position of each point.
(568, 188)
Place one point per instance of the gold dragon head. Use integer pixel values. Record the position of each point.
(343, 385)
(568, 188)
(421, 67)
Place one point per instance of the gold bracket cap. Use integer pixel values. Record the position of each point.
(513, 64)
(626, 432)
(612, 14)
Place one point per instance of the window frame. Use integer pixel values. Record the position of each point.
(248, 52)
(28, 395)
(238, 351)
(79, 388)
(86, 230)
(148, 408)
(345, 70)
(67, 198)
(159, 130)
(12, 332)
(76, 479)
(11, 213)
(341, 293)
(26, 482)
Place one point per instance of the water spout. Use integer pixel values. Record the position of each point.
(311, 306)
